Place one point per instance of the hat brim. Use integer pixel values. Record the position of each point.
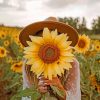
(33, 28)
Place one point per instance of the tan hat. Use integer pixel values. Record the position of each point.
(51, 23)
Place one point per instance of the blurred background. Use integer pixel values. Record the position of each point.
(83, 15)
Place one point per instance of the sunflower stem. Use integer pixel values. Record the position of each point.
(43, 97)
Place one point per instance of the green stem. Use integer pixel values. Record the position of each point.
(43, 97)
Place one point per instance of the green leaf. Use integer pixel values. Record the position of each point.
(57, 91)
(32, 93)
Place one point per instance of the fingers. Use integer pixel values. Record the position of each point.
(42, 89)
(48, 82)
(42, 77)
(42, 81)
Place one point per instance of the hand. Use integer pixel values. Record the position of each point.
(42, 86)
(56, 82)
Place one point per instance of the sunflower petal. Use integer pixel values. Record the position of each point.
(50, 72)
(46, 34)
(66, 53)
(36, 39)
(66, 59)
(32, 48)
(36, 64)
(46, 71)
(64, 44)
(66, 65)
(57, 69)
(40, 70)
(54, 34)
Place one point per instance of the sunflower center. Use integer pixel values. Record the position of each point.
(2, 51)
(49, 53)
(81, 43)
(97, 46)
(16, 65)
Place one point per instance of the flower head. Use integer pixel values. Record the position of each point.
(83, 44)
(49, 55)
(17, 67)
(6, 43)
(2, 35)
(3, 52)
(97, 46)
(94, 82)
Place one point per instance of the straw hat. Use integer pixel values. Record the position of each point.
(51, 23)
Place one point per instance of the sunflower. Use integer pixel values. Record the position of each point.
(21, 46)
(95, 83)
(97, 46)
(15, 37)
(2, 35)
(93, 80)
(98, 88)
(49, 55)
(3, 52)
(6, 43)
(83, 44)
(17, 67)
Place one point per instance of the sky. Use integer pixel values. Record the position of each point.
(23, 12)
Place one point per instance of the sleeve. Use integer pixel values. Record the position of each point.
(73, 82)
(25, 81)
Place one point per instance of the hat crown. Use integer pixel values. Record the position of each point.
(51, 19)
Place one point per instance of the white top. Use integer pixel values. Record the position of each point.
(73, 84)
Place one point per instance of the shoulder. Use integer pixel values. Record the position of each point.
(75, 63)
(74, 71)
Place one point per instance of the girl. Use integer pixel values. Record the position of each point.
(69, 83)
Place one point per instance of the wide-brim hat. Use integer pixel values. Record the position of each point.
(51, 23)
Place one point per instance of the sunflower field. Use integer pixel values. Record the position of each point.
(87, 51)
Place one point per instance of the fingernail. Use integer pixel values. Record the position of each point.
(45, 83)
(39, 77)
(41, 81)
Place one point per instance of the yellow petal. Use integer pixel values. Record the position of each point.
(29, 43)
(65, 65)
(58, 38)
(61, 68)
(27, 56)
(32, 48)
(46, 71)
(54, 34)
(50, 71)
(32, 60)
(46, 35)
(40, 70)
(66, 53)
(57, 69)
(30, 55)
(68, 65)
(66, 59)
(36, 39)
(36, 64)
(64, 44)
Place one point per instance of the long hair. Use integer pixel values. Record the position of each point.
(31, 77)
